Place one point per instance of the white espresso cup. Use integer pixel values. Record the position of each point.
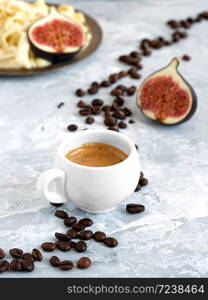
(92, 189)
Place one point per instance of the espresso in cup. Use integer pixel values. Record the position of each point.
(96, 155)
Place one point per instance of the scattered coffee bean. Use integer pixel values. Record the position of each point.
(119, 101)
(122, 125)
(16, 252)
(109, 121)
(62, 236)
(85, 235)
(131, 90)
(28, 265)
(63, 246)
(60, 105)
(66, 265)
(81, 104)
(113, 78)
(61, 214)
(73, 244)
(97, 102)
(4, 266)
(48, 246)
(72, 233)
(69, 221)
(95, 84)
(135, 54)
(80, 92)
(85, 112)
(122, 74)
(186, 57)
(54, 261)
(105, 83)
(106, 108)
(127, 111)
(86, 222)
(110, 242)
(81, 246)
(93, 90)
(27, 256)
(135, 75)
(99, 236)
(96, 110)
(134, 208)
(138, 188)
(2, 253)
(113, 129)
(37, 255)
(84, 263)
(143, 181)
(78, 227)
(16, 265)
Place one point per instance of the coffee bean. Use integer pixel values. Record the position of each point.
(66, 265)
(119, 101)
(54, 261)
(72, 127)
(116, 92)
(131, 90)
(16, 252)
(99, 236)
(110, 242)
(97, 102)
(113, 78)
(122, 125)
(119, 115)
(37, 255)
(93, 90)
(85, 112)
(95, 84)
(185, 24)
(85, 235)
(122, 74)
(143, 181)
(69, 221)
(16, 265)
(81, 246)
(84, 263)
(106, 108)
(62, 236)
(81, 104)
(173, 24)
(127, 111)
(135, 54)
(113, 129)
(138, 188)
(86, 222)
(72, 233)
(61, 214)
(123, 58)
(2, 253)
(135, 75)
(78, 227)
(60, 105)
(80, 92)
(63, 246)
(4, 266)
(105, 83)
(131, 121)
(96, 110)
(137, 147)
(48, 246)
(28, 265)
(134, 208)
(27, 256)
(110, 121)
(186, 57)
(73, 244)
(146, 52)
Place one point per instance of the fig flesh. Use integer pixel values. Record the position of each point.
(166, 97)
(56, 38)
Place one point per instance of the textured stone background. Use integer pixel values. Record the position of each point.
(170, 238)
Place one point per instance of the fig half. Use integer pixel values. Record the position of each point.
(55, 37)
(165, 96)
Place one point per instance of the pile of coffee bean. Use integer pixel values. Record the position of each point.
(21, 261)
(133, 61)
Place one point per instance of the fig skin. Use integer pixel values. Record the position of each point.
(174, 61)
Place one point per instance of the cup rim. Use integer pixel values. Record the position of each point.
(82, 132)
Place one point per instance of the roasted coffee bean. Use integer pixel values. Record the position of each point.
(80, 92)
(131, 61)
(135, 75)
(2, 253)
(86, 222)
(123, 58)
(85, 235)
(48, 246)
(61, 214)
(110, 121)
(97, 102)
(37, 255)
(122, 74)
(89, 120)
(143, 181)
(176, 36)
(113, 129)
(119, 101)
(106, 108)
(16, 265)
(60, 105)
(110, 242)
(99, 236)
(116, 92)
(186, 57)
(73, 244)
(185, 24)
(146, 52)
(85, 112)
(115, 107)
(84, 263)
(113, 78)
(69, 221)
(93, 90)
(167, 43)
(127, 111)
(137, 147)
(141, 175)
(82, 104)
(28, 265)
(62, 236)
(72, 233)
(131, 121)
(66, 265)
(119, 115)
(27, 256)
(105, 83)
(78, 227)
(54, 261)
(131, 90)
(135, 54)
(81, 246)
(134, 208)
(72, 127)
(122, 125)
(63, 246)
(173, 24)
(96, 110)
(4, 266)
(16, 252)
(138, 188)
(95, 84)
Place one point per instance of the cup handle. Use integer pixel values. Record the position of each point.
(43, 186)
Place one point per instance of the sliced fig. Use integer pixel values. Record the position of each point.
(165, 96)
(55, 37)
